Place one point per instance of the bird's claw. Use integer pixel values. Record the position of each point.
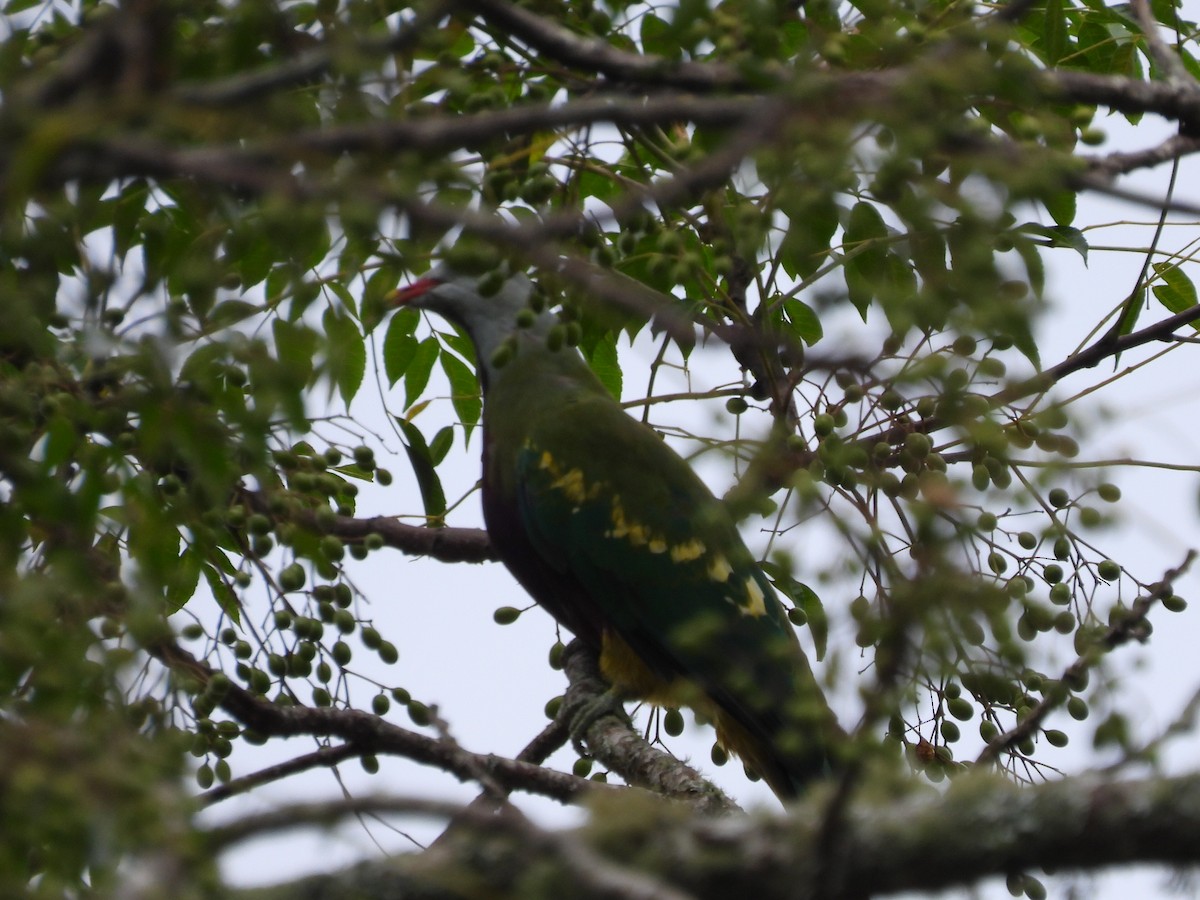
(580, 720)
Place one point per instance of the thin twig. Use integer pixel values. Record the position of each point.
(1162, 55)
(322, 757)
(328, 813)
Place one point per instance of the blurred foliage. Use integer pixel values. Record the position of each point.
(204, 207)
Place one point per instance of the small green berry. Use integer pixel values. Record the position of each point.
(419, 713)
(673, 722)
(1174, 603)
(388, 653)
(506, 615)
(291, 577)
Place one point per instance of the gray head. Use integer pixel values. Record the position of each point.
(488, 320)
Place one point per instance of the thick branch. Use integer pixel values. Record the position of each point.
(1180, 102)
(372, 734)
(612, 741)
(982, 826)
(450, 545)
(595, 55)
(1110, 165)
(309, 65)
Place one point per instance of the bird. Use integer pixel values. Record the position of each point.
(615, 535)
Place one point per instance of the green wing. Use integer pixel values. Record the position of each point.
(602, 499)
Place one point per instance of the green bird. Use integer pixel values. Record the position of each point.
(611, 532)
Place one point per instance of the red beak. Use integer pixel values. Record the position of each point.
(411, 291)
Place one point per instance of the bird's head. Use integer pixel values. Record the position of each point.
(490, 311)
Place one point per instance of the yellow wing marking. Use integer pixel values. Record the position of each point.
(719, 569)
(693, 549)
(571, 482)
(756, 602)
(623, 528)
(639, 535)
(575, 487)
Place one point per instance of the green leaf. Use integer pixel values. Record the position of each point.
(182, 584)
(1166, 11)
(441, 444)
(657, 38)
(818, 622)
(416, 376)
(1061, 206)
(223, 594)
(1054, 32)
(343, 294)
(1023, 339)
(601, 185)
(61, 441)
(605, 363)
(805, 599)
(1176, 292)
(356, 472)
(399, 348)
(1060, 236)
(421, 460)
(131, 206)
(1137, 302)
(806, 245)
(379, 288)
(249, 252)
(230, 312)
(805, 323)
(866, 262)
(15, 6)
(464, 390)
(621, 41)
(296, 345)
(459, 343)
(901, 279)
(347, 353)
(1035, 268)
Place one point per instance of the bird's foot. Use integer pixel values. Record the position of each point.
(580, 720)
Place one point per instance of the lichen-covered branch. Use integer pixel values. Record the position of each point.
(983, 826)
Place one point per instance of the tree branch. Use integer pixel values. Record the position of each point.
(308, 65)
(1128, 627)
(982, 826)
(450, 545)
(618, 746)
(323, 757)
(1180, 102)
(371, 734)
(595, 55)
(1111, 165)
(1094, 355)
(327, 813)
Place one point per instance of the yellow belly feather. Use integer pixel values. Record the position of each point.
(634, 679)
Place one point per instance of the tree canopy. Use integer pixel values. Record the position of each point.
(807, 241)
